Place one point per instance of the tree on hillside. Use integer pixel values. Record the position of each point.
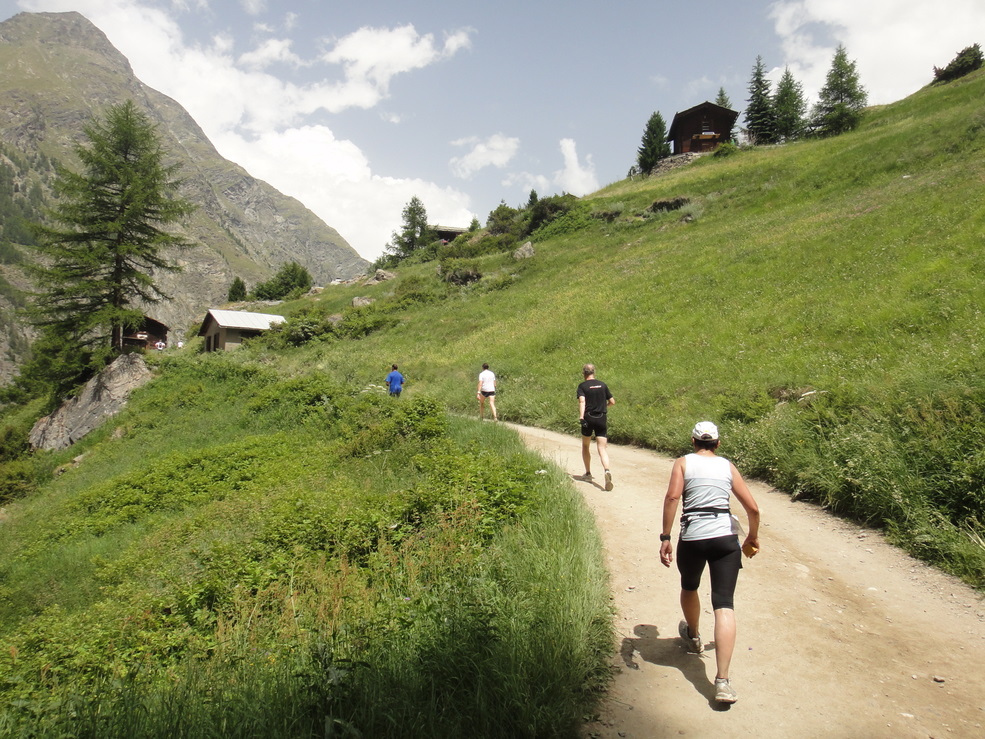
(414, 234)
(107, 240)
(841, 100)
(760, 115)
(237, 290)
(290, 278)
(653, 146)
(722, 100)
(967, 61)
(789, 106)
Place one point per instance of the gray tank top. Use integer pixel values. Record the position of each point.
(707, 486)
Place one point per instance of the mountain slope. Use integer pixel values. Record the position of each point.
(57, 71)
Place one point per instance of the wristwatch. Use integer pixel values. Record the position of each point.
(665, 537)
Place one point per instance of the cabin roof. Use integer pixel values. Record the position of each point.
(240, 319)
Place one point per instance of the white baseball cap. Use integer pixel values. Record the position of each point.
(705, 431)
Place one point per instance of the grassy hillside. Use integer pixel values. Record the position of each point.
(821, 300)
(242, 553)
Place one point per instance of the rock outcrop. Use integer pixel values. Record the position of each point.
(103, 396)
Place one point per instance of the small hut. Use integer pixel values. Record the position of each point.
(147, 335)
(701, 128)
(227, 329)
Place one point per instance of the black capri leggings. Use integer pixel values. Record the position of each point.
(724, 558)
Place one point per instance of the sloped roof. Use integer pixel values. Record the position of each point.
(726, 113)
(240, 319)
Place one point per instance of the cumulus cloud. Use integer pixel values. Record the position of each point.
(372, 57)
(895, 43)
(495, 151)
(576, 178)
(271, 51)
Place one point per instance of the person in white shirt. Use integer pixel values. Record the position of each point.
(486, 390)
(709, 536)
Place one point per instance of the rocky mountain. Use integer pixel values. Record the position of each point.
(57, 71)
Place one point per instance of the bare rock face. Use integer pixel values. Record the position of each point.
(524, 252)
(104, 395)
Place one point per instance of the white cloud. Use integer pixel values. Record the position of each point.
(374, 56)
(271, 51)
(896, 43)
(335, 181)
(495, 151)
(525, 181)
(253, 7)
(575, 178)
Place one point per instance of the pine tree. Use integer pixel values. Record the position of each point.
(108, 237)
(414, 234)
(760, 116)
(722, 100)
(653, 146)
(841, 100)
(790, 107)
(237, 291)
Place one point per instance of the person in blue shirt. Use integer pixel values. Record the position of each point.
(395, 382)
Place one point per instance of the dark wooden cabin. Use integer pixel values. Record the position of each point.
(701, 128)
(146, 335)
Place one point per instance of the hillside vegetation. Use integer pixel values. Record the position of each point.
(820, 300)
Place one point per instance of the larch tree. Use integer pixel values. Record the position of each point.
(653, 146)
(789, 106)
(107, 236)
(760, 115)
(414, 234)
(841, 100)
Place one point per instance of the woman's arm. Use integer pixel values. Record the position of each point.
(675, 489)
(744, 496)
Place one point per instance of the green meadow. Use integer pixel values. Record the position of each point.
(264, 544)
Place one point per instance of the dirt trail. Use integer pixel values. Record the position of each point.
(840, 634)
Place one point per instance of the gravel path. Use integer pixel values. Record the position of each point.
(840, 634)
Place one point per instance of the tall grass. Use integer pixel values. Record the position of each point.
(331, 562)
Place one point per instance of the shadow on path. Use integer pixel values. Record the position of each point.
(670, 652)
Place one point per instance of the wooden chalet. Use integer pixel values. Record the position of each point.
(226, 329)
(146, 336)
(448, 233)
(701, 128)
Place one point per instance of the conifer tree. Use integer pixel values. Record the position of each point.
(760, 116)
(653, 146)
(237, 290)
(414, 234)
(108, 237)
(841, 100)
(722, 100)
(790, 107)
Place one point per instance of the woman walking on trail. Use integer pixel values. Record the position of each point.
(709, 535)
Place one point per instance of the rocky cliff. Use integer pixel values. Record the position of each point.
(58, 71)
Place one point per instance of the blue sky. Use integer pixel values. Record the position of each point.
(355, 107)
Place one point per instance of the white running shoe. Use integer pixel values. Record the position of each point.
(724, 692)
(693, 643)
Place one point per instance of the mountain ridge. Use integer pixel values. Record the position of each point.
(58, 70)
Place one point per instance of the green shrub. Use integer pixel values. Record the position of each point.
(967, 61)
(460, 271)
